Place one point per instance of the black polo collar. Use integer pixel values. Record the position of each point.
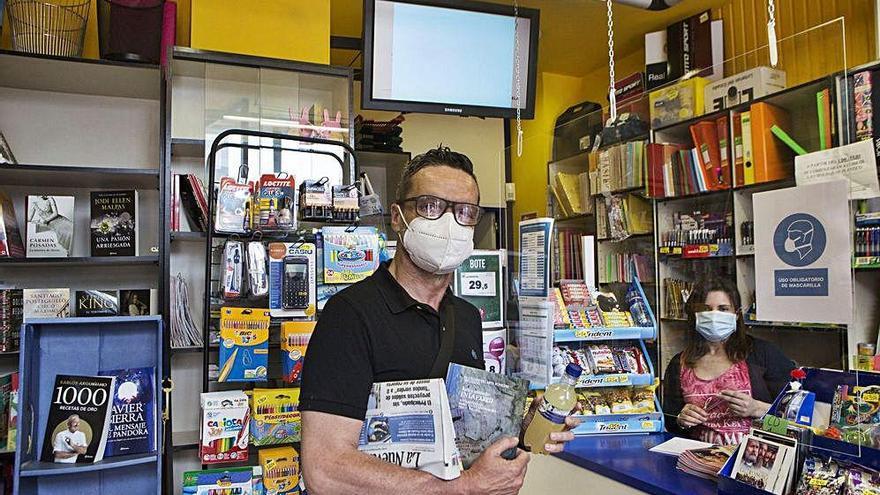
(396, 297)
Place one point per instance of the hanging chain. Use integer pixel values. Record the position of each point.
(517, 79)
(612, 97)
(771, 33)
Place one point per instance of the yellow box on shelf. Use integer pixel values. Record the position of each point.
(680, 101)
(284, 29)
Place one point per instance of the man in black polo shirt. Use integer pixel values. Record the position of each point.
(390, 327)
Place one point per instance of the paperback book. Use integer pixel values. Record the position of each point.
(113, 223)
(49, 226)
(96, 303)
(764, 463)
(485, 407)
(79, 418)
(46, 303)
(408, 423)
(137, 302)
(12, 417)
(11, 318)
(133, 417)
(10, 236)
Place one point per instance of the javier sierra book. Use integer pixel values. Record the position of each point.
(79, 417)
(113, 223)
(485, 406)
(133, 415)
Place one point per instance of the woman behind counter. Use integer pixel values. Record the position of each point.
(724, 377)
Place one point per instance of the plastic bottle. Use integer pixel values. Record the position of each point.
(559, 400)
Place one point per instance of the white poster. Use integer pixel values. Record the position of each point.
(854, 163)
(802, 254)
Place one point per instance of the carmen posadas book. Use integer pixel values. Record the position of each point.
(49, 226)
(133, 414)
(114, 223)
(485, 406)
(96, 303)
(79, 418)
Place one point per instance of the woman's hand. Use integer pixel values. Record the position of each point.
(744, 405)
(691, 416)
(557, 440)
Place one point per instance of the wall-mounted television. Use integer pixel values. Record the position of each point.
(452, 57)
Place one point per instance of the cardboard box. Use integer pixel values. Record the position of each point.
(743, 87)
(677, 102)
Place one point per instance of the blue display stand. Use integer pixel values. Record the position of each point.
(83, 346)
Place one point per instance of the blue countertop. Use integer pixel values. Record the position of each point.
(625, 458)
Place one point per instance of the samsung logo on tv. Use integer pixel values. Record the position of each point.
(451, 110)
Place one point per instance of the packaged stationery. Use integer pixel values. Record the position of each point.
(280, 470)
(274, 204)
(276, 416)
(244, 344)
(229, 481)
(225, 425)
(295, 337)
(233, 206)
(349, 255)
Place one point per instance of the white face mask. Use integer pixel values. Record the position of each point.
(437, 246)
(716, 326)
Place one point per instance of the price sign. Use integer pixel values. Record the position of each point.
(775, 424)
(480, 284)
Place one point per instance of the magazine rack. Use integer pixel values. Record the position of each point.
(823, 383)
(83, 346)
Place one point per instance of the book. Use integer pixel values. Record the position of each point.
(133, 414)
(6, 156)
(46, 303)
(704, 462)
(189, 193)
(485, 407)
(113, 223)
(763, 464)
(137, 302)
(12, 418)
(49, 226)
(78, 419)
(96, 303)
(10, 237)
(567, 187)
(408, 423)
(11, 318)
(5, 391)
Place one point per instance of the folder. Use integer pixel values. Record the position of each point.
(772, 160)
(823, 108)
(705, 136)
(737, 148)
(723, 131)
(748, 158)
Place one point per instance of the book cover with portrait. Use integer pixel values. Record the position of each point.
(133, 414)
(49, 226)
(79, 418)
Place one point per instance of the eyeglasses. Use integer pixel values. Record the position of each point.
(432, 208)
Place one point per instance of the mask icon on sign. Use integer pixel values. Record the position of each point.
(800, 238)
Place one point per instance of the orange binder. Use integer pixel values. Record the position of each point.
(737, 150)
(773, 160)
(723, 131)
(705, 136)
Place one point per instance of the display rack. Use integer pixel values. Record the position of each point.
(100, 344)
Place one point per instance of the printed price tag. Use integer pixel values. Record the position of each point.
(480, 284)
(775, 424)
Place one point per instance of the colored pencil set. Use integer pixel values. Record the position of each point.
(225, 491)
(281, 470)
(295, 337)
(244, 344)
(276, 416)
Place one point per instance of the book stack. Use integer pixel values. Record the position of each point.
(623, 267)
(569, 192)
(187, 191)
(676, 170)
(705, 463)
(568, 254)
(618, 167)
(11, 317)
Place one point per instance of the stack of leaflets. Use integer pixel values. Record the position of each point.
(767, 461)
(408, 423)
(705, 463)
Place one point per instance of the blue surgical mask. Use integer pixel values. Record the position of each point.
(716, 326)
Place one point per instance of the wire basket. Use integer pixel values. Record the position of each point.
(48, 27)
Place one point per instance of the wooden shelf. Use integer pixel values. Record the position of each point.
(79, 177)
(79, 76)
(81, 261)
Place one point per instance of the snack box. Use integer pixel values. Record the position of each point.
(680, 101)
(743, 87)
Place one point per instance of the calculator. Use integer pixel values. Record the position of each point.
(295, 284)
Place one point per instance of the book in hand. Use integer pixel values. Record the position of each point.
(485, 407)
(408, 424)
(113, 223)
(96, 303)
(49, 226)
(764, 463)
(133, 414)
(78, 419)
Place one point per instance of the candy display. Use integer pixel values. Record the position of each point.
(617, 400)
(821, 477)
(578, 307)
(601, 359)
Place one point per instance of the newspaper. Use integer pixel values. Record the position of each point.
(408, 423)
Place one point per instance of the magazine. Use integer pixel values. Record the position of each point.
(408, 423)
(485, 407)
(79, 417)
(764, 464)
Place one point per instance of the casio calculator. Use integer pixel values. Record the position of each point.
(295, 284)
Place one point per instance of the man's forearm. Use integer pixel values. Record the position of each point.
(357, 472)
